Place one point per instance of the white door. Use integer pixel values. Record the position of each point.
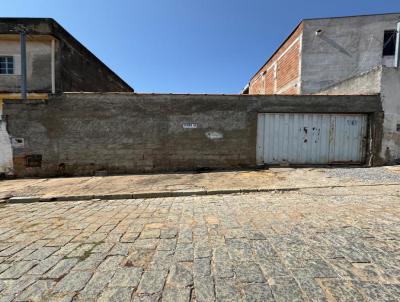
(300, 138)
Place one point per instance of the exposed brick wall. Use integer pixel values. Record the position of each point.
(288, 67)
(291, 91)
(287, 62)
(269, 82)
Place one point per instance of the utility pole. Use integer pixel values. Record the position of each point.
(22, 36)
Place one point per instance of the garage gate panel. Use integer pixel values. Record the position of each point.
(293, 138)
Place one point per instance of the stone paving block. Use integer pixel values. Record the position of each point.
(36, 291)
(257, 292)
(96, 285)
(162, 260)
(66, 249)
(16, 286)
(21, 255)
(285, 289)
(90, 263)
(309, 285)
(59, 297)
(342, 290)
(116, 294)
(236, 233)
(204, 289)
(149, 244)
(121, 249)
(240, 254)
(202, 267)
(169, 233)
(185, 235)
(4, 266)
(167, 245)
(248, 272)
(393, 289)
(139, 258)
(111, 263)
(45, 265)
(126, 277)
(176, 294)
(18, 269)
(226, 290)
(273, 267)
(223, 269)
(319, 268)
(113, 238)
(150, 234)
(4, 298)
(81, 250)
(103, 247)
(184, 252)
(62, 268)
(148, 298)
(263, 249)
(73, 282)
(202, 252)
(11, 250)
(60, 241)
(152, 282)
(129, 237)
(180, 276)
(375, 291)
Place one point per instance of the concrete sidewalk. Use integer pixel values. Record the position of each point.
(181, 184)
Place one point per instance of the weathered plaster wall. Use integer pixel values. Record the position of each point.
(38, 64)
(366, 83)
(78, 134)
(390, 91)
(6, 158)
(345, 47)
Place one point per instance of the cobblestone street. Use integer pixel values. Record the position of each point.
(337, 244)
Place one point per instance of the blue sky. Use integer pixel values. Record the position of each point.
(186, 46)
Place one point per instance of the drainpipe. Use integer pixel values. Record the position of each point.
(22, 36)
(397, 54)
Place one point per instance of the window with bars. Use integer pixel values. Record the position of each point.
(6, 65)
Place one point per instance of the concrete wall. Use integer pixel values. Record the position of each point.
(386, 81)
(345, 47)
(6, 159)
(78, 134)
(38, 64)
(281, 73)
(365, 83)
(390, 92)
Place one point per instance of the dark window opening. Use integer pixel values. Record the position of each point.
(6, 65)
(389, 43)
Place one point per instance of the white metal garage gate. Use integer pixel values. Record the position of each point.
(299, 138)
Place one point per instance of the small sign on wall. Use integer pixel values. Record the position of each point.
(17, 142)
(214, 135)
(190, 125)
